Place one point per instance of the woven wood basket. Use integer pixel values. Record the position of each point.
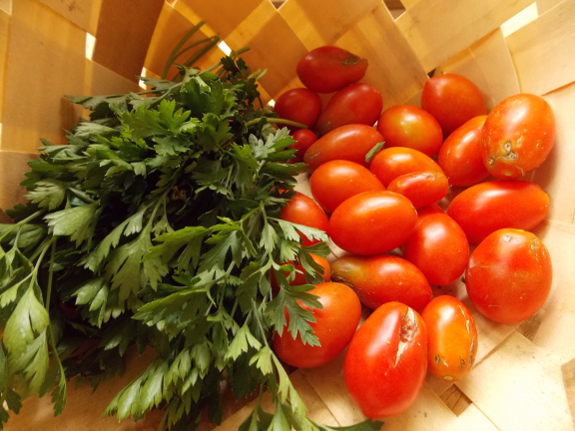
(525, 375)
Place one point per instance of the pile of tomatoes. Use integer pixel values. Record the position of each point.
(416, 197)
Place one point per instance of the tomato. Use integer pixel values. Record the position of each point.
(518, 135)
(491, 205)
(451, 338)
(304, 138)
(372, 222)
(357, 103)
(301, 274)
(453, 100)
(386, 361)
(350, 142)
(509, 275)
(410, 126)
(300, 105)
(461, 156)
(438, 247)
(383, 278)
(334, 327)
(302, 209)
(335, 181)
(329, 68)
(421, 188)
(392, 162)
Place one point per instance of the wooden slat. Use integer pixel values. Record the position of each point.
(568, 372)
(13, 165)
(544, 5)
(83, 13)
(544, 50)
(46, 55)
(101, 81)
(6, 6)
(4, 28)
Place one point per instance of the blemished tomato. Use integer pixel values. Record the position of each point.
(453, 100)
(334, 327)
(390, 163)
(421, 188)
(386, 361)
(372, 222)
(302, 209)
(299, 104)
(350, 142)
(410, 126)
(383, 278)
(451, 338)
(461, 156)
(335, 181)
(304, 138)
(301, 274)
(518, 136)
(438, 247)
(327, 69)
(509, 275)
(357, 103)
(485, 207)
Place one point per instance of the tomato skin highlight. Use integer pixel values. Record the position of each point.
(509, 275)
(386, 361)
(327, 69)
(451, 338)
(518, 136)
(390, 163)
(302, 209)
(299, 104)
(334, 327)
(373, 222)
(335, 181)
(421, 188)
(383, 278)
(485, 207)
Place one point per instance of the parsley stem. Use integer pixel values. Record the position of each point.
(276, 121)
(176, 51)
(21, 223)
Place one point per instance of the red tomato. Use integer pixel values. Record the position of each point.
(392, 162)
(301, 274)
(351, 142)
(335, 181)
(300, 105)
(302, 209)
(386, 361)
(421, 188)
(334, 327)
(461, 157)
(329, 68)
(509, 275)
(518, 135)
(451, 338)
(357, 103)
(438, 247)
(372, 222)
(304, 138)
(410, 126)
(491, 205)
(453, 100)
(381, 279)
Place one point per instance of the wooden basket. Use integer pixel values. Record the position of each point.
(525, 376)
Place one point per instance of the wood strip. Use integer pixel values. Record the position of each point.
(544, 50)
(13, 165)
(6, 6)
(4, 28)
(437, 31)
(83, 13)
(46, 55)
(568, 372)
(544, 5)
(102, 81)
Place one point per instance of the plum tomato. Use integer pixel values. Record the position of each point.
(335, 181)
(485, 207)
(383, 278)
(390, 163)
(509, 275)
(334, 327)
(302, 209)
(303, 139)
(517, 136)
(421, 188)
(350, 142)
(451, 338)
(461, 156)
(372, 222)
(410, 126)
(327, 69)
(386, 361)
(438, 247)
(357, 103)
(300, 273)
(453, 100)
(299, 104)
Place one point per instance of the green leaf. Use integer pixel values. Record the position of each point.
(263, 360)
(77, 222)
(49, 193)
